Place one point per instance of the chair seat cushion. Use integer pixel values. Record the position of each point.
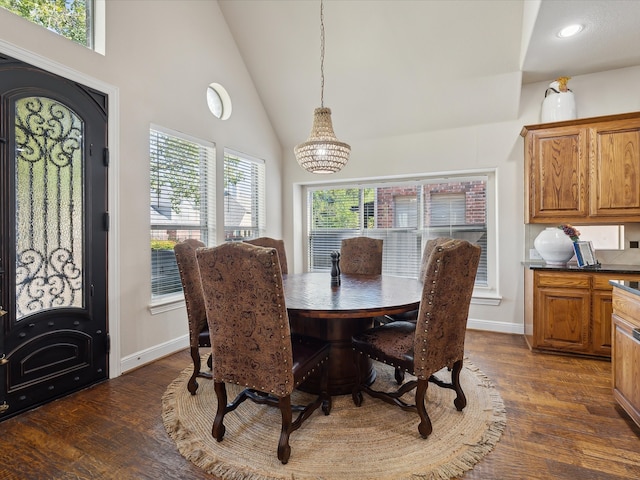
(391, 343)
(307, 352)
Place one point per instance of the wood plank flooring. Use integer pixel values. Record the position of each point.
(562, 423)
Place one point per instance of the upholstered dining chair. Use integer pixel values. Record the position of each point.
(436, 340)
(252, 341)
(412, 315)
(192, 287)
(361, 256)
(276, 243)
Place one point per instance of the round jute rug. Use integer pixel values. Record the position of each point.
(375, 441)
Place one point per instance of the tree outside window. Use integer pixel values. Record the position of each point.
(69, 18)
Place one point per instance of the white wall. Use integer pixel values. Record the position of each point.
(160, 58)
(494, 145)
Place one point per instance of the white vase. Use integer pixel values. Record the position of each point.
(554, 246)
(558, 106)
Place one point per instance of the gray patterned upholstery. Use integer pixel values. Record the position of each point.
(361, 256)
(185, 252)
(436, 341)
(252, 342)
(273, 243)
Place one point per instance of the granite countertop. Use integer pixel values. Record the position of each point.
(573, 267)
(629, 286)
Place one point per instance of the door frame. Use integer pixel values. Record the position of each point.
(113, 236)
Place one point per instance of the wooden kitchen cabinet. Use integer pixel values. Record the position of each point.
(625, 360)
(583, 171)
(562, 306)
(569, 311)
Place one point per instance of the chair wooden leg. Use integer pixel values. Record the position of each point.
(284, 450)
(324, 388)
(356, 392)
(192, 384)
(210, 362)
(399, 375)
(218, 427)
(424, 427)
(461, 400)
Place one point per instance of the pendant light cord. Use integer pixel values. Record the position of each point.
(321, 55)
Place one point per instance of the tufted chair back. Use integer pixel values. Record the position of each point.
(185, 252)
(361, 256)
(276, 243)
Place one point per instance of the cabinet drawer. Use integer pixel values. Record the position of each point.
(601, 281)
(573, 280)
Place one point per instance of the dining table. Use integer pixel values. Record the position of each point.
(320, 308)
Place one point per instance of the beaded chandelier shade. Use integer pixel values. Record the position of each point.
(322, 152)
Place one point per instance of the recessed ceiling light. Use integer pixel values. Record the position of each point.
(570, 31)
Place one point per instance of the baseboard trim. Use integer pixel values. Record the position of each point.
(493, 326)
(149, 355)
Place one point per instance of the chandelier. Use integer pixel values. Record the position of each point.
(322, 152)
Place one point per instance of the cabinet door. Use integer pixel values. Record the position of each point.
(601, 328)
(602, 309)
(626, 367)
(564, 317)
(557, 170)
(615, 170)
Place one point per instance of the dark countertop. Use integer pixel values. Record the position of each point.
(631, 287)
(573, 267)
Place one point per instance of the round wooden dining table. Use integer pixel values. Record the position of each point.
(335, 313)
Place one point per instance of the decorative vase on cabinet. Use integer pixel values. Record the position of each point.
(554, 246)
(559, 102)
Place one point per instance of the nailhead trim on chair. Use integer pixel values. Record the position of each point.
(430, 302)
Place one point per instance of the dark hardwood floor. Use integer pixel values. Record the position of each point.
(562, 423)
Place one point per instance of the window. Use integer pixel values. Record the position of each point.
(219, 101)
(70, 18)
(447, 209)
(182, 201)
(244, 196)
(404, 214)
(405, 211)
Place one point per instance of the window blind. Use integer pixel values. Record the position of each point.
(404, 215)
(182, 191)
(244, 196)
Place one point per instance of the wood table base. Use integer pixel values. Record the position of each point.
(342, 358)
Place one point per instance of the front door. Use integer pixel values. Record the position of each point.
(53, 237)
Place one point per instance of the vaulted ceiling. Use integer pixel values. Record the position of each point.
(396, 67)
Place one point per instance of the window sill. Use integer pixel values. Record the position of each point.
(166, 304)
(486, 298)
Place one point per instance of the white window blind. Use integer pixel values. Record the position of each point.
(244, 196)
(182, 174)
(404, 215)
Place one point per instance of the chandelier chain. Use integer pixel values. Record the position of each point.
(322, 152)
(321, 54)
